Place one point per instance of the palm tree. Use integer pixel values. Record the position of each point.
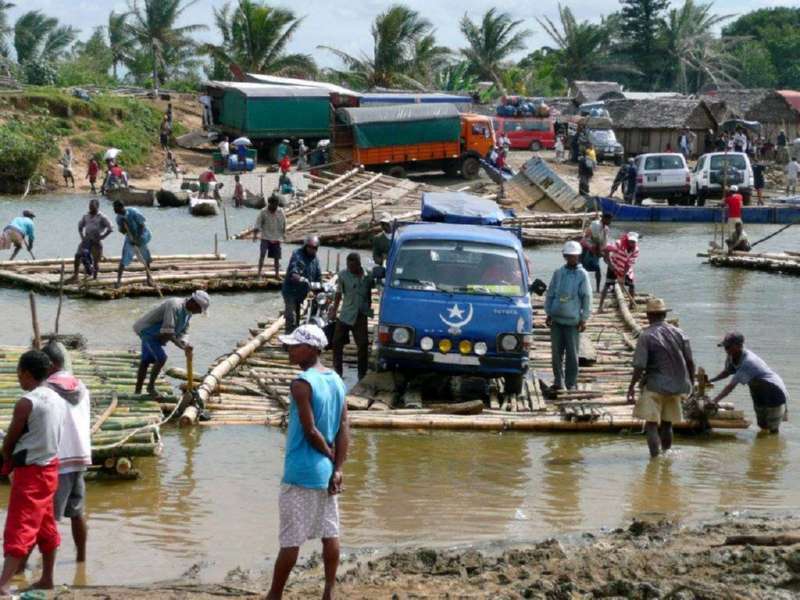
(582, 48)
(119, 40)
(696, 54)
(255, 36)
(429, 59)
(395, 34)
(455, 78)
(491, 43)
(37, 36)
(154, 26)
(5, 28)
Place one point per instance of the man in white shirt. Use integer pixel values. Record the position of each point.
(225, 151)
(792, 169)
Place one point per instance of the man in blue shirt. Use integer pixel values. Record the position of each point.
(131, 224)
(317, 441)
(167, 322)
(302, 275)
(20, 231)
(568, 306)
(767, 389)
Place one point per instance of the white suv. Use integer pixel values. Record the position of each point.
(662, 175)
(716, 168)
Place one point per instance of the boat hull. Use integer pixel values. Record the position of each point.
(696, 214)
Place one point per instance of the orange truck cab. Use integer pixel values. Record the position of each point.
(419, 137)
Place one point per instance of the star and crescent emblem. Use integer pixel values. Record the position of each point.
(455, 316)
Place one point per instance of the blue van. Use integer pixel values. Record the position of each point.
(456, 300)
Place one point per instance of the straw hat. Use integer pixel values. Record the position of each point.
(657, 305)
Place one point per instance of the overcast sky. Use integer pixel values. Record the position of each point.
(346, 25)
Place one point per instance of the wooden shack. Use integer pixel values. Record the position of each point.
(654, 125)
(775, 110)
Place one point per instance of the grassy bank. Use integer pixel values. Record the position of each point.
(37, 123)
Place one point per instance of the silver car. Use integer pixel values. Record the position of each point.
(662, 175)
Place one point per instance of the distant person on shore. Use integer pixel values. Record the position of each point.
(568, 305)
(91, 173)
(759, 181)
(767, 389)
(241, 155)
(238, 192)
(205, 179)
(271, 227)
(75, 449)
(285, 185)
(738, 241)
(733, 205)
(20, 231)
(171, 165)
(115, 178)
(683, 144)
(382, 240)
(285, 165)
(630, 183)
(317, 442)
(622, 257)
(224, 151)
(354, 294)
(284, 149)
(663, 365)
(93, 228)
(559, 148)
(595, 244)
(302, 276)
(165, 322)
(164, 132)
(30, 455)
(585, 172)
(131, 224)
(169, 115)
(302, 155)
(792, 170)
(205, 102)
(66, 167)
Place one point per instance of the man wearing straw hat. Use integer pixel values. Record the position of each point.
(167, 322)
(664, 368)
(317, 441)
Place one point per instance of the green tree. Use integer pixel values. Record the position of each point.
(255, 36)
(89, 63)
(154, 25)
(544, 79)
(38, 37)
(395, 34)
(491, 42)
(643, 22)
(120, 40)
(5, 28)
(455, 78)
(696, 55)
(756, 69)
(429, 59)
(582, 49)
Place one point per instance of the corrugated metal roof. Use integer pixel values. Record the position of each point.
(547, 180)
(792, 97)
(261, 90)
(411, 98)
(291, 81)
(397, 113)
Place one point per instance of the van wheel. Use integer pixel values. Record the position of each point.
(513, 383)
(535, 146)
(470, 168)
(396, 171)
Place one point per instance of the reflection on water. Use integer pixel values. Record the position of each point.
(211, 500)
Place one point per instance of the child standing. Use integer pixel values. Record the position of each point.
(91, 173)
(238, 193)
(30, 448)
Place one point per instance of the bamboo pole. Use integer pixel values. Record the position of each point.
(105, 414)
(37, 339)
(60, 298)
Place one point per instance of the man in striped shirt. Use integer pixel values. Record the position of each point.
(622, 256)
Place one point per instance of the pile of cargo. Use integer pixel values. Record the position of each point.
(519, 106)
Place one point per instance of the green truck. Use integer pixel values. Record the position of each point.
(268, 114)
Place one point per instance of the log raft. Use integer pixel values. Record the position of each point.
(251, 386)
(787, 262)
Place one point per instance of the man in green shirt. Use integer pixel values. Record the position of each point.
(354, 293)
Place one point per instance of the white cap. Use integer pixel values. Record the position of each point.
(734, 188)
(202, 299)
(308, 334)
(386, 218)
(633, 236)
(572, 248)
(285, 141)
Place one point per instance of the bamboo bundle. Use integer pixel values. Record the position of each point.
(787, 263)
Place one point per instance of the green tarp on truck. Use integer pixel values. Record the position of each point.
(264, 111)
(380, 126)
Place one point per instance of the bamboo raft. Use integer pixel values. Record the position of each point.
(124, 426)
(786, 262)
(174, 274)
(252, 385)
(343, 210)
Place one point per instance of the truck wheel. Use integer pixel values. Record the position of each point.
(397, 171)
(470, 168)
(513, 383)
(535, 146)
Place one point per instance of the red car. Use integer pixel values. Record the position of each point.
(527, 133)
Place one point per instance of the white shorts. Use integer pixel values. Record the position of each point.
(306, 514)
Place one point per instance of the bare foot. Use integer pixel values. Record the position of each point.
(151, 391)
(42, 584)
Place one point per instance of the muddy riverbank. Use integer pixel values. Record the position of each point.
(642, 561)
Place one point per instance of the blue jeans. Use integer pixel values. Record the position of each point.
(564, 342)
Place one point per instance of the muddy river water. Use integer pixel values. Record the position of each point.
(208, 504)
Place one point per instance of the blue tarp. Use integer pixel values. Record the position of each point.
(460, 207)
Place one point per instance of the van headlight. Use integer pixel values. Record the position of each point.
(401, 336)
(481, 348)
(508, 342)
(426, 344)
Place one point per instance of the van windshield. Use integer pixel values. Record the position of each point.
(458, 267)
(732, 160)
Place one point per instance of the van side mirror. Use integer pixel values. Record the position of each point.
(538, 287)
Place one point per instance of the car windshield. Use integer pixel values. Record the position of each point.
(663, 163)
(454, 266)
(732, 160)
(602, 136)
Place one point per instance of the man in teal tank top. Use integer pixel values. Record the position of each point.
(316, 447)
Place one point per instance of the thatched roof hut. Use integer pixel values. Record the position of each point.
(590, 91)
(774, 110)
(654, 125)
